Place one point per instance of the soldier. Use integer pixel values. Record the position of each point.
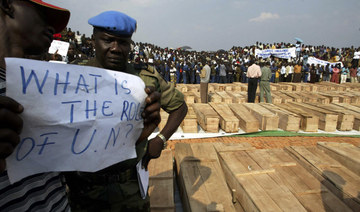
(264, 82)
(116, 188)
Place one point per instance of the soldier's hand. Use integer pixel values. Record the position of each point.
(151, 113)
(154, 149)
(10, 127)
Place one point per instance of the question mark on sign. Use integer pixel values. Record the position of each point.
(131, 128)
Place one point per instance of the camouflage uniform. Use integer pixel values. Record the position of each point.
(116, 188)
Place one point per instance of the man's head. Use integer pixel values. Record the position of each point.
(112, 39)
(29, 25)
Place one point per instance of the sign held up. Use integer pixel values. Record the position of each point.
(75, 118)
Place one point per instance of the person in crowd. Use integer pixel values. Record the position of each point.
(222, 73)
(116, 188)
(173, 74)
(273, 68)
(336, 74)
(289, 72)
(353, 72)
(326, 74)
(27, 28)
(344, 72)
(213, 72)
(198, 68)
(230, 72)
(264, 83)
(283, 72)
(244, 68)
(253, 74)
(204, 81)
(185, 71)
(312, 73)
(297, 73)
(237, 72)
(277, 75)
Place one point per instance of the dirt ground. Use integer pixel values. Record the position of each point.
(270, 142)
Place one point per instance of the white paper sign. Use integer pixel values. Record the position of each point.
(280, 53)
(315, 61)
(75, 118)
(60, 46)
(143, 179)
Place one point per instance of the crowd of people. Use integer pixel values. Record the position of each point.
(182, 65)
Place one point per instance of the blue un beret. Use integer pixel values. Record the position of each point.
(115, 22)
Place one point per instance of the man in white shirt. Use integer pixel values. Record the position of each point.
(253, 74)
(204, 81)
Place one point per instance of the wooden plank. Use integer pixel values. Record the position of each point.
(296, 97)
(189, 97)
(309, 122)
(267, 119)
(347, 154)
(230, 147)
(327, 119)
(237, 97)
(256, 192)
(284, 98)
(214, 97)
(201, 180)
(228, 121)
(287, 121)
(348, 107)
(333, 98)
(193, 87)
(337, 178)
(181, 87)
(247, 121)
(345, 119)
(348, 111)
(226, 98)
(302, 184)
(161, 182)
(207, 118)
(189, 124)
(197, 97)
(275, 98)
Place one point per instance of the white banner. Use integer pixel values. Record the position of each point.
(75, 118)
(280, 53)
(61, 47)
(315, 61)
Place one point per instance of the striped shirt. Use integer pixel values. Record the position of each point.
(2, 82)
(40, 192)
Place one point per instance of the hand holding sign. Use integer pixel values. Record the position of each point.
(151, 113)
(10, 127)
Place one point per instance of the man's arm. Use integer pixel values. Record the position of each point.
(151, 113)
(156, 144)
